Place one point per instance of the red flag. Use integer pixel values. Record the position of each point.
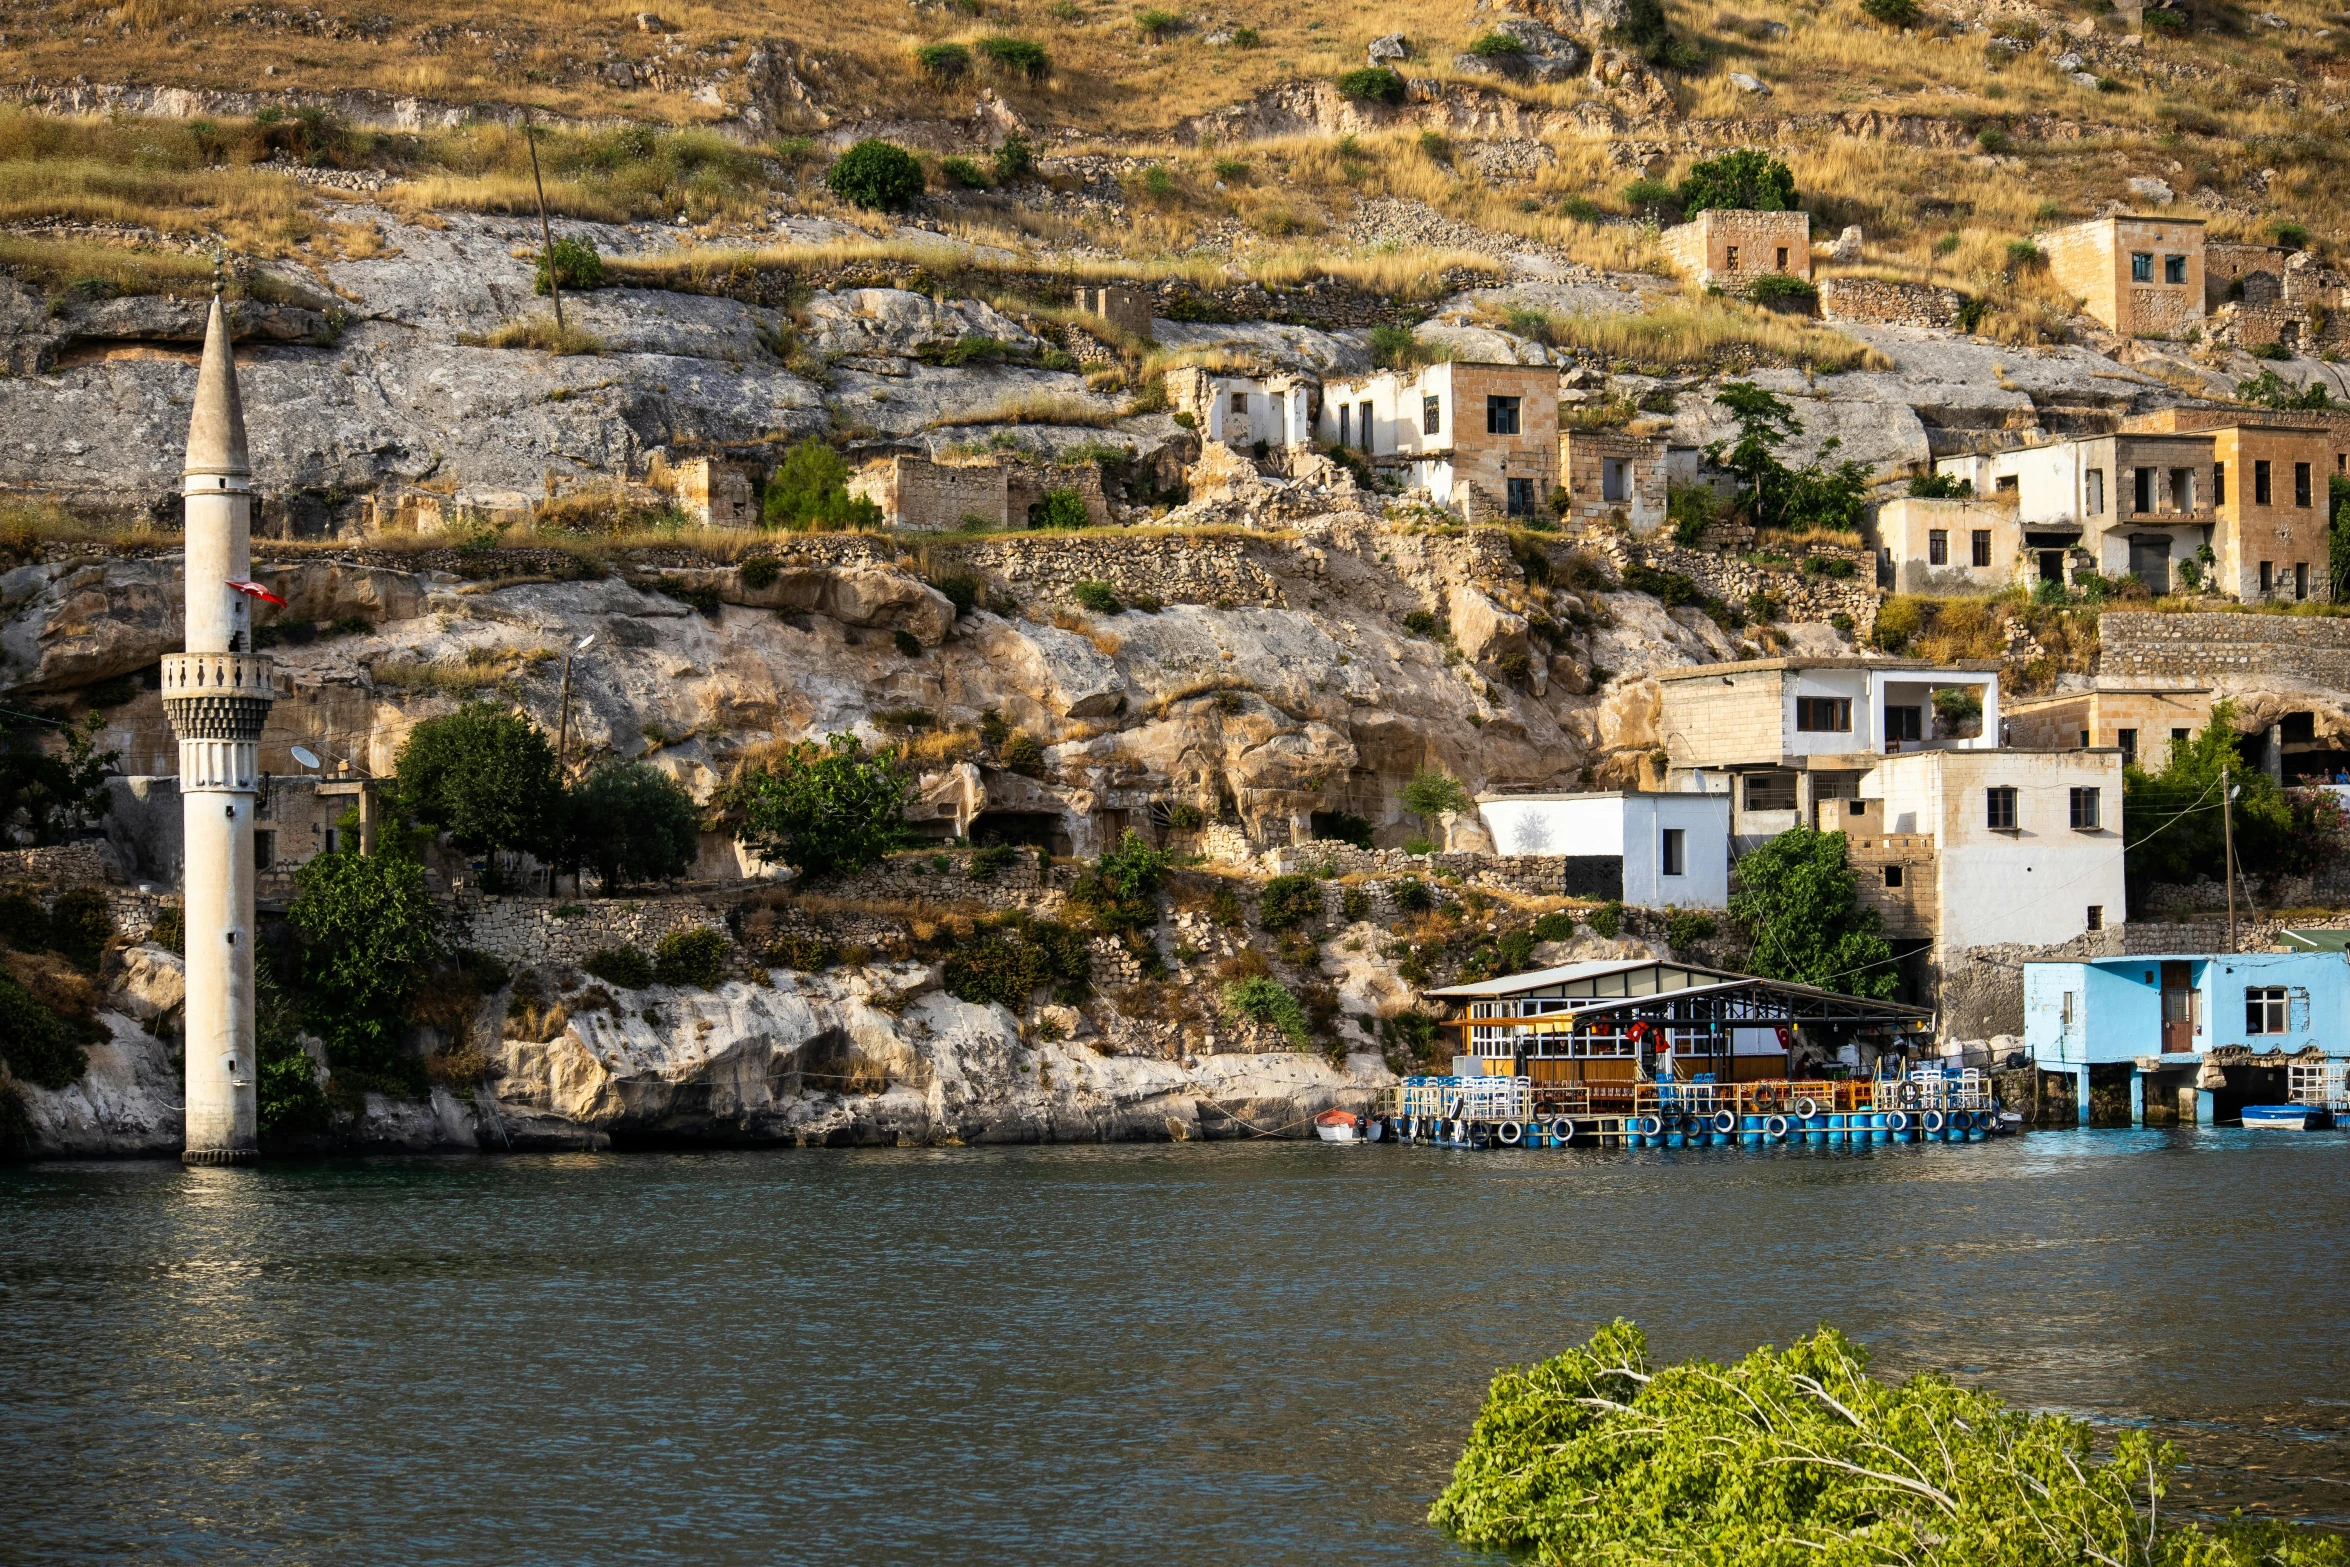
(255, 590)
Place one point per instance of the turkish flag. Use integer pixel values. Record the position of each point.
(255, 590)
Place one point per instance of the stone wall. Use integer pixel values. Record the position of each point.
(1179, 569)
(91, 860)
(1882, 302)
(914, 492)
(2305, 647)
(526, 932)
(1527, 875)
(1801, 598)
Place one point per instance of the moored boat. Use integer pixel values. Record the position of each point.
(1344, 1126)
(2285, 1118)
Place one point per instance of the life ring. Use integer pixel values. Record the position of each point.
(1511, 1134)
(1897, 1121)
(1907, 1096)
(1765, 1100)
(1775, 1127)
(1806, 1107)
(1562, 1130)
(1931, 1121)
(1725, 1121)
(1651, 1126)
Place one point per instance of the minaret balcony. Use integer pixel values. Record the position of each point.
(218, 696)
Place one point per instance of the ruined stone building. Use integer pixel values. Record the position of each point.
(918, 492)
(1729, 248)
(2143, 277)
(1481, 439)
(1612, 474)
(1242, 410)
(2256, 295)
(2138, 718)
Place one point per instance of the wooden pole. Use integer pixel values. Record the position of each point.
(2227, 820)
(546, 234)
(563, 721)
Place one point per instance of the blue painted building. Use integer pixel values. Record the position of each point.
(2210, 1024)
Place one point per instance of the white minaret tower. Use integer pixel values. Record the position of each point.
(218, 694)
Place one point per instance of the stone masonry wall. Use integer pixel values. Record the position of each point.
(1880, 302)
(1180, 570)
(1802, 599)
(531, 931)
(2305, 647)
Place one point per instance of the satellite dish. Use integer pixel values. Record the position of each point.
(303, 755)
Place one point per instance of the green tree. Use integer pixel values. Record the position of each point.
(632, 823)
(809, 489)
(1748, 179)
(875, 174)
(369, 936)
(1941, 487)
(1795, 894)
(52, 780)
(1772, 494)
(1433, 792)
(485, 777)
(823, 808)
(2271, 390)
(2172, 821)
(2338, 536)
(286, 1084)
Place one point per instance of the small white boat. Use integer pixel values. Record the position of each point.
(2285, 1118)
(1344, 1126)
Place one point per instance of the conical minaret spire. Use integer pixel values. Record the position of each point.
(218, 694)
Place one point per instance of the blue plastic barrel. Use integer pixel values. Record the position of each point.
(1838, 1128)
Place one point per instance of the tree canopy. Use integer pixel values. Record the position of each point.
(2174, 830)
(1772, 494)
(486, 777)
(51, 791)
(369, 933)
(1432, 792)
(809, 489)
(1796, 894)
(1748, 179)
(824, 808)
(632, 823)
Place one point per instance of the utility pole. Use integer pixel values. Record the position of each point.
(546, 234)
(2227, 821)
(563, 718)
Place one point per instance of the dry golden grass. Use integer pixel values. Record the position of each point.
(1058, 408)
(481, 669)
(1701, 333)
(541, 332)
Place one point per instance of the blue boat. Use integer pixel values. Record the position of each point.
(2286, 1118)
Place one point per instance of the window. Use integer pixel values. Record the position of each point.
(2264, 1010)
(1892, 875)
(1782, 261)
(264, 850)
(2068, 1007)
(2301, 484)
(1770, 791)
(2267, 582)
(1521, 501)
(2141, 266)
(1905, 723)
(1431, 416)
(1730, 257)
(1982, 546)
(2174, 269)
(1999, 812)
(1346, 425)
(2096, 501)
(2260, 485)
(1501, 415)
(1675, 851)
(1240, 402)
(1363, 423)
(1823, 714)
(1613, 473)
(2219, 484)
(2300, 579)
(2179, 735)
(2005, 484)
(2142, 489)
(2182, 489)
(2085, 811)
(2127, 739)
(2096, 919)
(1937, 546)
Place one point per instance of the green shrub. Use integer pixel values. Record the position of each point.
(1022, 755)
(1354, 904)
(1412, 895)
(804, 953)
(961, 590)
(1831, 566)
(759, 573)
(1061, 509)
(2270, 351)
(692, 957)
(1779, 291)
(1748, 179)
(1993, 139)
(1606, 921)
(876, 175)
(622, 966)
(1099, 597)
(1018, 55)
(1691, 509)
(1007, 967)
(1247, 38)
(170, 930)
(1155, 24)
(1015, 158)
(1423, 623)
(1184, 816)
(827, 809)
(2292, 236)
(943, 62)
(80, 925)
(1343, 827)
(370, 936)
(1644, 193)
(906, 644)
(809, 489)
(578, 267)
(1683, 926)
(1375, 84)
(1289, 902)
(1555, 927)
(632, 822)
(1893, 13)
(701, 596)
(1492, 45)
(1157, 182)
(1265, 999)
(1941, 487)
(963, 173)
(38, 1045)
(24, 924)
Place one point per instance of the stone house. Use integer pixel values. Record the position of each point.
(2334, 421)
(1123, 307)
(915, 492)
(713, 493)
(1961, 546)
(1481, 439)
(1781, 735)
(1241, 410)
(1894, 873)
(297, 817)
(2136, 718)
(1611, 473)
(2148, 503)
(1729, 248)
(2143, 277)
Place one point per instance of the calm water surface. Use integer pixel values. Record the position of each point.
(1256, 1354)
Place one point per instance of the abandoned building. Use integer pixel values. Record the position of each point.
(2150, 504)
(1609, 474)
(2256, 295)
(2142, 277)
(1124, 308)
(712, 492)
(2138, 719)
(1937, 545)
(1729, 248)
(1243, 410)
(2334, 421)
(1481, 439)
(915, 491)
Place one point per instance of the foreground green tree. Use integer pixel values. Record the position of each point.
(1431, 793)
(2172, 822)
(1796, 894)
(485, 776)
(824, 808)
(809, 489)
(370, 934)
(632, 823)
(1772, 494)
(1800, 1456)
(1747, 179)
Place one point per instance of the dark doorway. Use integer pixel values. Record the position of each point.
(1037, 829)
(2150, 559)
(2052, 565)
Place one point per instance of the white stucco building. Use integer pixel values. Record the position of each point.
(1653, 850)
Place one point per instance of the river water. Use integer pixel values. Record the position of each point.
(1262, 1354)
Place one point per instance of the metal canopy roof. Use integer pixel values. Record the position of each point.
(1717, 993)
(1570, 973)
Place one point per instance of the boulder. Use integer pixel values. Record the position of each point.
(2147, 187)
(150, 983)
(1748, 84)
(853, 595)
(1387, 49)
(1848, 244)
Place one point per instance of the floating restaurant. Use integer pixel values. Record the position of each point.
(1647, 1052)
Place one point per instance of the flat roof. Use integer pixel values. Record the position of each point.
(1756, 666)
(1567, 973)
(2212, 957)
(1497, 796)
(2016, 704)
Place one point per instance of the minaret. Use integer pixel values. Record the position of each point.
(218, 695)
